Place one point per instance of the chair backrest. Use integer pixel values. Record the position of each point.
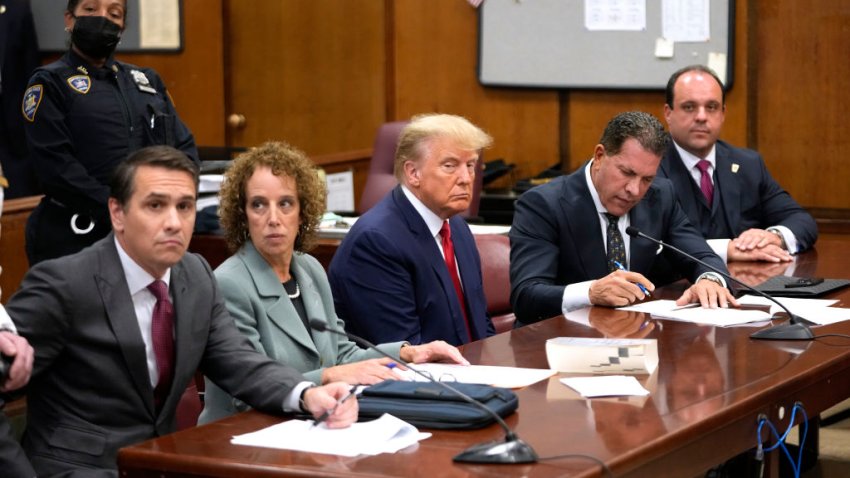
(495, 252)
(381, 179)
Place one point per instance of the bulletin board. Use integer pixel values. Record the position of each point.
(558, 43)
(151, 26)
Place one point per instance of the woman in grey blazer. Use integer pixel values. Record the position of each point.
(271, 203)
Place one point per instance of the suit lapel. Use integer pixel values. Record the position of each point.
(726, 182)
(184, 335)
(281, 312)
(426, 243)
(584, 224)
(121, 315)
(470, 272)
(644, 217)
(676, 172)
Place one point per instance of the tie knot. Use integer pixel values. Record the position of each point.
(612, 219)
(703, 165)
(445, 230)
(159, 289)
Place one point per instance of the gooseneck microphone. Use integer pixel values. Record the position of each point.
(512, 450)
(794, 329)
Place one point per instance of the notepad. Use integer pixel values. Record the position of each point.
(776, 286)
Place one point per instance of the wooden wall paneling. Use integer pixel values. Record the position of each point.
(435, 46)
(13, 256)
(588, 111)
(802, 100)
(310, 72)
(195, 76)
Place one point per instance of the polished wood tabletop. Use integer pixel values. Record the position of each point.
(711, 386)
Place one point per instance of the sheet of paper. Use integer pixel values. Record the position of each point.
(340, 191)
(717, 62)
(210, 183)
(489, 229)
(685, 20)
(668, 309)
(664, 48)
(506, 377)
(605, 386)
(797, 305)
(159, 24)
(387, 434)
(615, 15)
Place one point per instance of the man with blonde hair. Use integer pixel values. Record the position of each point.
(409, 268)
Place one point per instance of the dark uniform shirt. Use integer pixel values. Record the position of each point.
(81, 122)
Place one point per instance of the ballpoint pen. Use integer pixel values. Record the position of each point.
(642, 288)
(328, 413)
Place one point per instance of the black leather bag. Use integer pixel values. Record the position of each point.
(428, 405)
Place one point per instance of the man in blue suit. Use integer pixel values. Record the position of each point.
(409, 269)
(569, 248)
(736, 204)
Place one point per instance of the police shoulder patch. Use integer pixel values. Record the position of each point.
(32, 98)
(80, 83)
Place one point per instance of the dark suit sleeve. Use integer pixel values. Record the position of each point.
(233, 364)
(373, 289)
(780, 209)
(535, 252)
(681, 234)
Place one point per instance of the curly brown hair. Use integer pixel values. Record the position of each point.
(284, 160)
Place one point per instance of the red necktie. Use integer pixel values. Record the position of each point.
(162, 330)
(449, 256)
(705, 184)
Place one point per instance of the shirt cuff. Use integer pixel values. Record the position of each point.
(290, 403)
(720, 247)
(6, 321)
(787, 236)
(576, 296)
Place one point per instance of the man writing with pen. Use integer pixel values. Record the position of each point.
(569, 248)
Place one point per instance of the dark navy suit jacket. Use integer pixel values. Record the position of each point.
(390, 282)
(556, 240)
(746, 196)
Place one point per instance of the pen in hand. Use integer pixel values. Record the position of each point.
(330, 412)
(642, 288)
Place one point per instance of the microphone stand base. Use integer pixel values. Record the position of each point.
(786, 331)
(508, 451)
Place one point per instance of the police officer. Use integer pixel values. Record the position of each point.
(84, 114)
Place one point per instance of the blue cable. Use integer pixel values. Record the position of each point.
(780, 440)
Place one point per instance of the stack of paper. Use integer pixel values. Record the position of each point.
(387, 434)
(693, 313)
(602, 356)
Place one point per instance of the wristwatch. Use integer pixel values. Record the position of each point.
(776, 231)
(713, 278)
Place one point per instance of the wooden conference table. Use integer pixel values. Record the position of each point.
(709, 389)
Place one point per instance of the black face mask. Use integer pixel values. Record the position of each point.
(95, 37)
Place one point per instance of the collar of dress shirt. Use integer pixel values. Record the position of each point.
(137, 278)
(432, 220)
(691, 160)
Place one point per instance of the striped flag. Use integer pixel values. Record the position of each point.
(475, 3)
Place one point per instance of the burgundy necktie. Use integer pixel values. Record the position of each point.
(162, 334)
(449, 256)
(705, 184)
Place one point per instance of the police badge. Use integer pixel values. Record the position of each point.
(142, 82)
(80, 83)
(32, 98)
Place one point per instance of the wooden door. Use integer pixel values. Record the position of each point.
(310, 72)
